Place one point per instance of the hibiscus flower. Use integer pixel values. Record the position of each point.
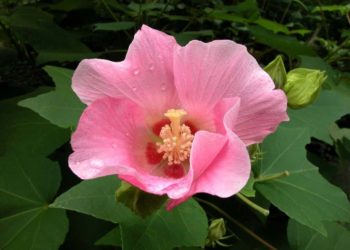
(174, 120)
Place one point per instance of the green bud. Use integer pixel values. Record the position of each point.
(141, 203)
(217, 231)
(277, 71)
(303, 86)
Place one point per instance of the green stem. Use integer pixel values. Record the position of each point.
(253, 205)
(272, 176)
(237, 223)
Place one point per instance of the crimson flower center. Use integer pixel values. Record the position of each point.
(176, 138)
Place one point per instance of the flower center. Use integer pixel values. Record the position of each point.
(177, 138)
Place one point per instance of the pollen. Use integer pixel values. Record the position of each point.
(176, 138)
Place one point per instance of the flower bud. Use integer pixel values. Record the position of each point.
(217, 231)
(303, 86)
(277, 71)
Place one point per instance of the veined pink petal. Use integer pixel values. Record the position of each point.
(207, 72)
(262, 109)
(108, 139)
(220, 163)
(111, 138)
(145, 76)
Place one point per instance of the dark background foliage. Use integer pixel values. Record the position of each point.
(37, 33)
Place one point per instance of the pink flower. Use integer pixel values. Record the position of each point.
(174, 120)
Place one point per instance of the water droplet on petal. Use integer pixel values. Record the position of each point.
(96, 162)
(163, 87)
(127, 134)
(134, 88)
(136, 72)
(151, 67)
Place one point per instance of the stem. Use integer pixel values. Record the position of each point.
(272, 176)
(237, 223)
(253, 205)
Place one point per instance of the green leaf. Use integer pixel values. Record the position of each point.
(301, 237)
(287, 44)
(53, 43)
(96, 198)
(114, 26)
(26, 132)
(304, 195)
(248, 190)
(330, 106)
(185, 225)
(27, 185)
(61, 106)
(271, 25)
(112, 238)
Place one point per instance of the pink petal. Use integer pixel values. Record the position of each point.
(112, 138)
(205, 73)
(107, 138)
(262, 109)
(145, 76)
(221, 169)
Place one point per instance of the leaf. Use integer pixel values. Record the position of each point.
(248, 190)
(27, 184)
(114, 26)
(186, 225)
(287, 44)
(96, 198)
(330, 106)
(53, 43)
(112, 238)
(23, 131)
(61, 106)
(301, 237)
(271, 25)
(304, 195)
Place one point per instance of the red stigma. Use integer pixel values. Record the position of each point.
(153, 157)
(192, 127)
(157, 127)
(174, 171)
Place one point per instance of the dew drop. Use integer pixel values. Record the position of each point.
(127, 134)
(151, 67)
(136, 72)
(163, 87)
(134, 88)
(96, 162)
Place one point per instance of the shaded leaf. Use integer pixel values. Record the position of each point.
(26, 132)
(112, 238)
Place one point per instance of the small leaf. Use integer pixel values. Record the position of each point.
(304, 195)
(61, 106)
